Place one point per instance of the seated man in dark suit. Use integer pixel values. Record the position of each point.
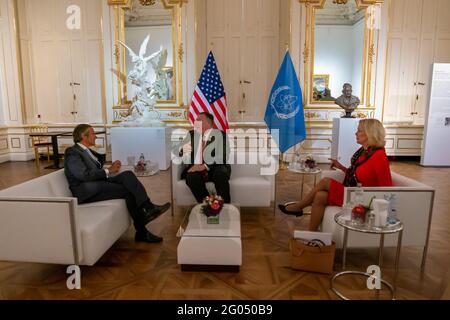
(207, 151)
(89, 182)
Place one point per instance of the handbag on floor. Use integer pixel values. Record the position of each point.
(312, 255)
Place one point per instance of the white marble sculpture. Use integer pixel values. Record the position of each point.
(143, 111)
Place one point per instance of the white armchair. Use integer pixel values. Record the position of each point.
(414, 207)
(248, 186)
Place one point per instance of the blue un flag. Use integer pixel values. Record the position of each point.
(285, 107)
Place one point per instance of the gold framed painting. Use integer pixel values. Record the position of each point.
(321, 84)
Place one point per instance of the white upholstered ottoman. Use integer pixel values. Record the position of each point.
(211, 247)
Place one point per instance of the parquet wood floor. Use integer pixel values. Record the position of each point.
(150, 271)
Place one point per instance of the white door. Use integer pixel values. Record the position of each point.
(403, 48)
(61, 57)
(244, 37)
(419, 35)
(442, 54)
(426, 58)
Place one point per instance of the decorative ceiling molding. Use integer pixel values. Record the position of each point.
(361, 4)
(122, 3)
(315, 3)
(147, 2)
(333, 13)
(140, 15)
(127, 3)
(347, 14)
(172, 3)
(368, 2)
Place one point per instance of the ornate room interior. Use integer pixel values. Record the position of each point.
(54, 76)
(396, 93)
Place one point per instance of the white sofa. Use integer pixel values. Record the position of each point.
(249, 184)
(414, 207)
(40, 221)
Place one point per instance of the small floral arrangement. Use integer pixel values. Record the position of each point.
(212, 205)
(141, 166)
(309, 162)
(359, 212)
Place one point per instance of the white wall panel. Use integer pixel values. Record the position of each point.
(423, 29)
(244, 36)
(11, 103)
(61, 56)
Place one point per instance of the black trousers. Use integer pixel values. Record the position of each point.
(219, 175)
(123, 186)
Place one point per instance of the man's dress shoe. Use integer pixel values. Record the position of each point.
(155, 212)
(147, 237)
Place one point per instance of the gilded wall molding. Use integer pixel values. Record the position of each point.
(125, 3)
(369, 52)
(122, 105)
(360, 3)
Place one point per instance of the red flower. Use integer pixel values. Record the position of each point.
(215, 206)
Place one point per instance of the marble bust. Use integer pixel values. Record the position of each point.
(347, 101)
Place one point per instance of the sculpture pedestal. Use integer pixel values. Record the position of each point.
(154, 143)
(344, 143)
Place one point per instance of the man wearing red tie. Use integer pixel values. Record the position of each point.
(206, 151)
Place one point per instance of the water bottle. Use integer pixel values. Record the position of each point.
(358, 211)
(359, 194)
(142, 158)
(392, 213)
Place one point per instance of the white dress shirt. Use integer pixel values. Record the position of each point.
(198, 157)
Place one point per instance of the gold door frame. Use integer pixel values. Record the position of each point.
(121, 103)
(308, 53)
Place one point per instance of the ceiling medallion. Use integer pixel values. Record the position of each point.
(147, 2)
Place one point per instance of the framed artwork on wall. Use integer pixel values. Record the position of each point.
(321, 82)
(321, 91)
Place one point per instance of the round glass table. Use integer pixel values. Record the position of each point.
(343, 220)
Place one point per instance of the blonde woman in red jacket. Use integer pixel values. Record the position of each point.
(369, 166)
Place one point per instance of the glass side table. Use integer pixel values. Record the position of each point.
(344, 221)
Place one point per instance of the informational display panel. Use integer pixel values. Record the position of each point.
(436, 150)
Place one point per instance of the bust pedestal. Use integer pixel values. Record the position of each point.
(153, 142)
(344, 143)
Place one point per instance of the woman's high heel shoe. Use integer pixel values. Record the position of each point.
(283, 208)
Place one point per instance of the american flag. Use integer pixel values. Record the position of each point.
(209, 96)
